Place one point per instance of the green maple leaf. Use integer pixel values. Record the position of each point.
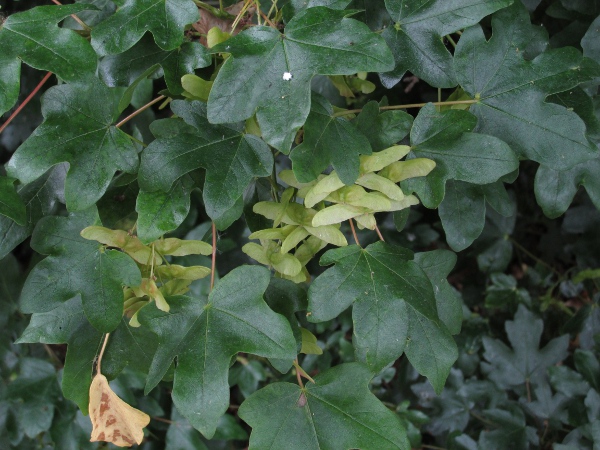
(590, 43)
(525, 362)
(555, 189)
(511, 91)
(78, 266)
(11, 205)
(32, 37)
(204, 334)
(463, 210)
(34, 395)
(394, 308)
(382, 129)
(255, 78)
(77, 129)
(328, 141)
(438, 264)
(68, 324)
(416, 37)
(41, 199)
(336, 412)
(447, 138)
(165, 19)
(123, 69)
(231, 158)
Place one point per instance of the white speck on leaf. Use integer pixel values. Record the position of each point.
(287, 76)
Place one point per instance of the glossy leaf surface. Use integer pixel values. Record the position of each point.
(336, 413)
(316, 41)
(205, 333)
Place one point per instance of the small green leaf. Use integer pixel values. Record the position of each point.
(382, 129)
(160, 212)
(462, 213)
(78, 266)
(309, 343)
(438, 264)
(205, 333)
(338, 412)
(316, 41)
(77, 129)
(165, 19)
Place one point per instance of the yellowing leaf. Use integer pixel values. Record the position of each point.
(322, 189)
(177, 247)
(337, 214)
(366, 221)
(309, 249)
(309, 343)
(195, 87)
(185, 273)
(357, 196)
(381, 184)
(149, 288)
(215, 36)
(293, 239)
(379, 160)
(113, 420)
(329, 234)
(403, 170)
(273, 233)
(123, 240)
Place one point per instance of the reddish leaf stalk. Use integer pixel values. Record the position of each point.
(379, 233)
(138, 111)
(27, 100)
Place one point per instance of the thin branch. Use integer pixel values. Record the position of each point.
(138, 111)
(99, 363)
(412, 105)
(27, 100)
(214, 256)
(379, 233)
(535, 258)
(354, 232)
(267, 19)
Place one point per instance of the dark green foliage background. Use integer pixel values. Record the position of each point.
(515, 193)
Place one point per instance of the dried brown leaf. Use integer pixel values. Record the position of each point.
(208, 21)
(113, 420)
